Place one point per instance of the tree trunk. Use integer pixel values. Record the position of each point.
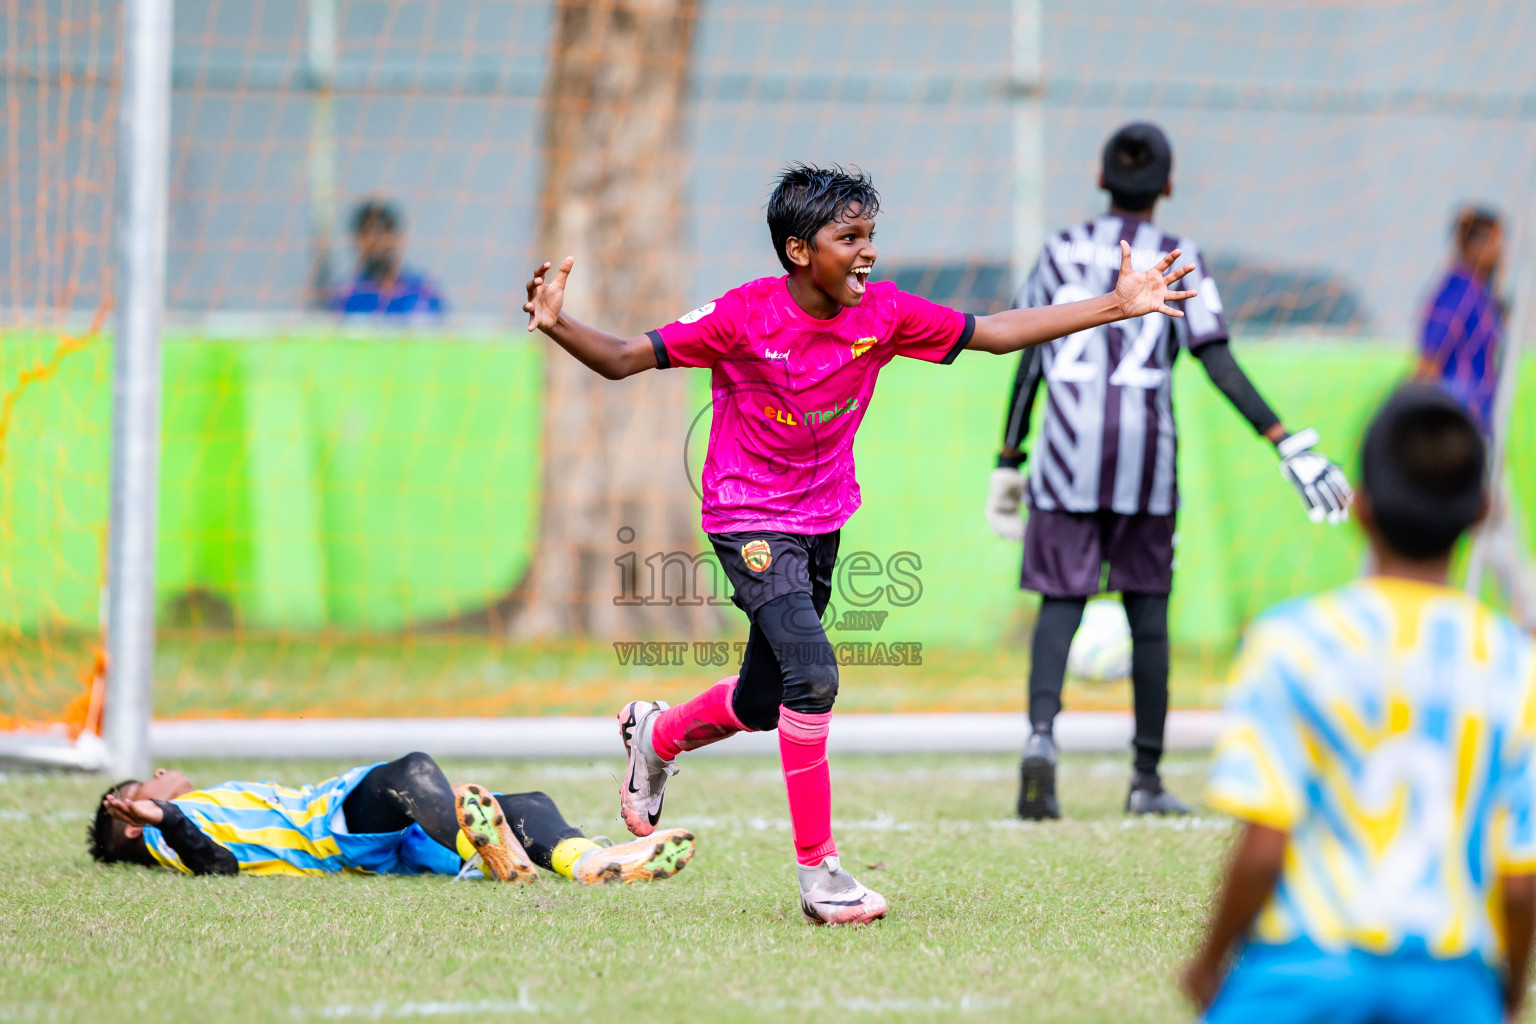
(614, 174)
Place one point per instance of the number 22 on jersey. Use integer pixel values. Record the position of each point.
(1072, 361)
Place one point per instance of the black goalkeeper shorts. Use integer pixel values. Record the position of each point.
(1065, 552)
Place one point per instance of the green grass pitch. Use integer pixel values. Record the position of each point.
(991, 919)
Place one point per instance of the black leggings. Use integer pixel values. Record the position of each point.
(788, 661)
(414, 790)
(1148, 617)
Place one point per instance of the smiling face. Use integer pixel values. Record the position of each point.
(838, 262)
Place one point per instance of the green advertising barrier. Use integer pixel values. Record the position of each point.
(305, 483)
(317, 482)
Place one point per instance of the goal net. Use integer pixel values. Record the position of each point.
(427, 513)
(60, 102)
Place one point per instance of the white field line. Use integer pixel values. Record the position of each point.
(1104, 768)
(886, 823)
(890, 1004)
(563, 736)
(381, 1010)
(879, 823)
(15, 815)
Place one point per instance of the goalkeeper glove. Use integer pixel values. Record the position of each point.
(1004, 492)
(1321, 484)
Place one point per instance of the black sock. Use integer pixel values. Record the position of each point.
(538, 825)
(1148, 616)
(1054, 629)
(394, 795)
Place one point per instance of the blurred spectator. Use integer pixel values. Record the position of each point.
(1464, 323)
(383, 284)
(1460, 349)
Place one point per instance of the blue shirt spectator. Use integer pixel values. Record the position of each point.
(1463, 328)
(383, 284)
(407, 292)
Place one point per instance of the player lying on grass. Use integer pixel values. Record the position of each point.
(794, 361)
(1380, 754)
(1103, 485)
(400, 817)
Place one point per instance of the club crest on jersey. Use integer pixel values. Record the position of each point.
(756, 555)
(862, 345)
(698, 314)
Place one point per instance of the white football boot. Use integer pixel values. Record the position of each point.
(645, 783)
(830, 895)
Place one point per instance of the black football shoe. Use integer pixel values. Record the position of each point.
(1037, 779)
(1147, 796)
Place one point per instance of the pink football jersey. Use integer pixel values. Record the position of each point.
(790, 392)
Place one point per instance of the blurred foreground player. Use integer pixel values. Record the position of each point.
(1102, 486)
(1460, 350)
(1380, 755)
(794, 361)
(400, 817)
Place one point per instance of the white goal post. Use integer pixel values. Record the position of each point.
(139, 229)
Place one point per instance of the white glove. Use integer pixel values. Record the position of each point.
(1321, 484)
(1004, 492)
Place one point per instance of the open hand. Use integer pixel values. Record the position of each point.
(134, 812)
(1147, 291)
(546, 296)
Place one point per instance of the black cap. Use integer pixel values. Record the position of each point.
(1138, 161)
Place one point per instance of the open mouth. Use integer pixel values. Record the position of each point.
(858, 278)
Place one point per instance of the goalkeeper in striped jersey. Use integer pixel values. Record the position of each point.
(401, 817)
(1102, 487)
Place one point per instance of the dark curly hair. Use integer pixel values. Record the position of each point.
(107, 839)
(807, 198)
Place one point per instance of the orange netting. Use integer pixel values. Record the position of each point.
(429, 512)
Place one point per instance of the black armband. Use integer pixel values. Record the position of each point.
(1230, 380)
(195, 848)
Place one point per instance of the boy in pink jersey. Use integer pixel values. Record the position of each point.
(794, 361)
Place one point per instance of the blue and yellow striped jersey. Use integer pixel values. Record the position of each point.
(271, 829)
(1389, 728)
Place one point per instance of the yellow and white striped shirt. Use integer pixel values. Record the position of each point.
(271, 829)
(1389, 727)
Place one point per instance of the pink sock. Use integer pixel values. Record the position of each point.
(706, 719)
(803, 751)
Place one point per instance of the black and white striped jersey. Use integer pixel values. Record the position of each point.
(1108, 440)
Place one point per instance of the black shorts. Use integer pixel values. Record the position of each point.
(1065, 552)
(764, 565)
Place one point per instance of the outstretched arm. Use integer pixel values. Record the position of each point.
(1136, 294)
(610, 355)
(1021, 403)
(1324, 491)
(1231, 381)
(1005, 488)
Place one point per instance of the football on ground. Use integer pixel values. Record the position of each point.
(1101, 650)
